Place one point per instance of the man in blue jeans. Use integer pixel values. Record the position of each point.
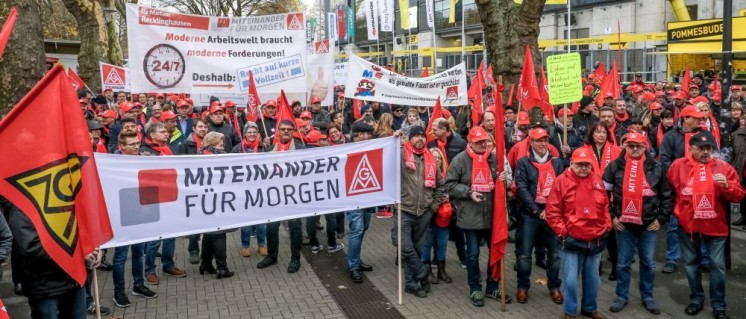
(139, 288)
(359, 219)
(638, 210)
(167, 260)
(260, 231)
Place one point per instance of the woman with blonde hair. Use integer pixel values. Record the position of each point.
(438, 238)
(212, 143)
(385, 123)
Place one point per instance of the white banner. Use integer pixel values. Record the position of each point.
(114, 77)
(150, 197)
(340, 73)
(319, 79)
(369, 82)
(387, 15)
(371, 18)
(430, 13)
(172, 52)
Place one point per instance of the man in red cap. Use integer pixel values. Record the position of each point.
(128, 110)
(519, 132)
(175, 135)
(470, 183)
(268, 121)
(638, 211)
(108, 119)
(693, 91)
(341, 103)
(183, 120)
(234, 118)
(574, 138)
(110, 99)
(645, 100)
(297, 107)
(534, 176)
(577, 211)
(320, 116)
(660, 97)
(217, 123)
(703, 187)
(609, 99)
(736, 95)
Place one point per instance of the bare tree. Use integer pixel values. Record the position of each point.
(229, 7)
(508, 28)
(22, 64)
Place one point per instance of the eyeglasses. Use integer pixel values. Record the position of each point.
(285, 129)
(397, 111)
(635, 146)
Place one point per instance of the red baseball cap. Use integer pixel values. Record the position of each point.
(314, 136)
(126, 106)
(270, 103)
(342, 94)
(735, 88)
(182, 103)
(660, 93)
(229, 103)
(173, 97)
(109, 113)
(634, 138)
(561, 113)
(648, 96)
(700, 99)
(107, 89)
(294, 102)
(581, 155)
(538, 133)
(160, 95)
(315, 99)
(306, 114)
(692, 111)
(215, 107)
(83, 101)
(168, 115)
(522, 118)
(609, 95)
(693, 86)
(477, 134)
(655, 106)
(191, 102)
(680, 95)
(301, 122)
(637, 89)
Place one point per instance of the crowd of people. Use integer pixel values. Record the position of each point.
(582, 181)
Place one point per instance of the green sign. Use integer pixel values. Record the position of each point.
(564, 77)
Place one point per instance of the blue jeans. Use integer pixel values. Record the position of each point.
(672, 244)
(437, 238)
(359, 223)
(690, 248)
(575, 265)
(120, 258)
(69, 305)
(167, 255)
(533, 230)
(627, 240)
(473, 236)
(261, 235)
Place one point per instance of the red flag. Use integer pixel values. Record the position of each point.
(437, 113)
(341, 23)
(425, 73)
(357, 107)
(75, 81)
(475, 93)
(545, 105)
(510, 95)
(499, 211)
(7, 28)
(600, 74)
(686, 81)
(610, 85)
(480, 75)
(489, 75)
(528, 90)
(284, 112)
(252, 109)
(3, 311)
(55, 183)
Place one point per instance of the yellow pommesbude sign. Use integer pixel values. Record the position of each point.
(704, 36)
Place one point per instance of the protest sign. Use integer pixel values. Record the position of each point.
(154, 197)
(565, 78)
(173, 52)
(369, 82)
(319, 79)
(114, 77)
(340, 73)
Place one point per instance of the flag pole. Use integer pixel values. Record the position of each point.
(96, 299)
(463, 33)
(398, 249)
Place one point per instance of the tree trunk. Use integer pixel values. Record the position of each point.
(22, 64)
(115, 51)
(94, 44)
(508, 28)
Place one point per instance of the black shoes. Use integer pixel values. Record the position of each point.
(693, 309)
(418, 292)
(425, 285)
(224, 273)
(294, 265)
(365, 267)
(266, 262)
(356, 276)
(121, 300)
(720, 314)
(612, 276)
(144, 292)
(209, 270)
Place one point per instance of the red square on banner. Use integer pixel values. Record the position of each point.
(161, 180)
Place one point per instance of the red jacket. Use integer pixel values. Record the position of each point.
(678, 176)
(560, 209)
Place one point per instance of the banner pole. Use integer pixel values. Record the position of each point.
(503, 307)
(95, 294)
(564, 124)
(398, 249)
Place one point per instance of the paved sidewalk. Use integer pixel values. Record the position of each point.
(273, 293)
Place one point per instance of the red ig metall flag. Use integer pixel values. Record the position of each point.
(53, 178)
(252, 110)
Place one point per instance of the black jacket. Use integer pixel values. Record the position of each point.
(454, 145)
(583, 122)
(527, 181)
(227, 130)
(653, 207)
(266, 127)
(672, 147)
(189, 146)
(574, 140)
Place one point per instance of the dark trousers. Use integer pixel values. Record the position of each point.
(273, 238)
(340, 221)
(193, 243)
(70, 305)
(331, 222)
(214, 246)
(613, 250)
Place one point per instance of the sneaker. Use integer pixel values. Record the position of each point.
(336, 248)
(477, 298)
(316, 248)
(104, 310)
(262, 250)
(417, 292)
(293, 266)
(194, 257)
(121, 300)
(386, 213)
(266, 262)
(617, 305)
(651, 307)
(669, 268)
(246, 252)
(144, 292)
(462, 262)
(176, 272)
(152, 279)
(495, 294)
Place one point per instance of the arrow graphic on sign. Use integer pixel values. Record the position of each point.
(227, 85)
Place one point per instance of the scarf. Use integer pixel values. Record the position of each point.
(632, 190)
(253, 146)
(546, 180)
(621, 119)
(603, 156)
(332, 143)
(687, 137)
(585, 203)
(99, 146)
(162, 150)
(442, 148)
(659, 135)
(430, 168)
(481, 177)
(714, 128)
(703, 190)
(197, 141)
(612, 132)
(282, 147)
(233, 119)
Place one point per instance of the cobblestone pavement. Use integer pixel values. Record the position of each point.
(273, 293)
